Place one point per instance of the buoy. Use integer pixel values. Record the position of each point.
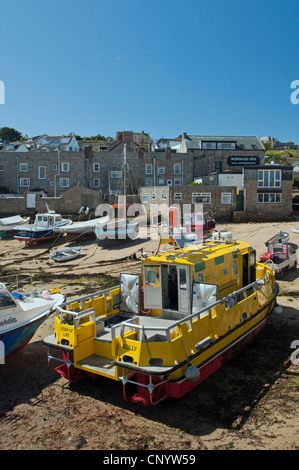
(46, 295)
(277, 309)
(192, 373)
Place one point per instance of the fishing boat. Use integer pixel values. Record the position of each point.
(280, 255)
(84, 227)
(120, 228)
(117, 229)
(7, 225)
(66, 253)
(43, 228)
(167, 328)
(199, 225)
(23, 308)
(281, 237)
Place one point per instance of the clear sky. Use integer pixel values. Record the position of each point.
(165, 67)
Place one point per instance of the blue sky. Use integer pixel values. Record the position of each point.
(165, 67)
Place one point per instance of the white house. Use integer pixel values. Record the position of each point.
(36, 142)
(16, 146)
(67, 143)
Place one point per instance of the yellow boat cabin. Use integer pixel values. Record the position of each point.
(165, 330)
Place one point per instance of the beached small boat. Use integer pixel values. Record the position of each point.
(84, 227)
(7, 225)
(23, 308)
(116, 229)
(196, 225)
(43, 228)
(66, 253)
(280, 255)
(166, 329)
(281, 237)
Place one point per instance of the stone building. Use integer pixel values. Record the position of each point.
(265, 193)
(57, 171)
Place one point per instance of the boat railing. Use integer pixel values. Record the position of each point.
(229, 301)
(14, 280)
(143, 330)
(66, 305)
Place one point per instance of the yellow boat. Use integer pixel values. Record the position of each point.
(165, 330)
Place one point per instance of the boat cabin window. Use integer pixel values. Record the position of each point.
(200, 277)
(235, 267)
(6, 300)
(183, 279)
(151, 277)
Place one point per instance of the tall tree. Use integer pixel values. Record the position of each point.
(8, 134)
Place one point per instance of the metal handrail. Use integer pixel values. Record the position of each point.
(256, 285)
(208, 309)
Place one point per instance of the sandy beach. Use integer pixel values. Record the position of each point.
(251, 403)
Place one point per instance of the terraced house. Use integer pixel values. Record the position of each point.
(164, 170)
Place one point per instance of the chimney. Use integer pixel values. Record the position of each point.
(127, 137)
(168, 153)
(88, 152)
(140, 152)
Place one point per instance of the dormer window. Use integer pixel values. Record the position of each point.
(226, 146)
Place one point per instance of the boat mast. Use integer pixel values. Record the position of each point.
(125, 179)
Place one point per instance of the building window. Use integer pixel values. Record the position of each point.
(54, 167)
(169, 182)
(164, 196)
(153, 196)
(226, 198)
(269, 178)
(226, 146)
(161, 181)
(148, 169)
(177, 196)
(177, 182)
(177, 169)
(96, 167)
(145, 197)
(23, 167)
(269, 198)
(148, 182)
(65, 167)
(116, 174)
(42, 172)
(161, 170)
(209, 145)
(96, 183)
(201, 198)
(64, 182)
(1, 167)
(25, 182)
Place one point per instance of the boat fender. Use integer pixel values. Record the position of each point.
(46, 295)
(192, 373)
(277, 309)
(17, 295)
